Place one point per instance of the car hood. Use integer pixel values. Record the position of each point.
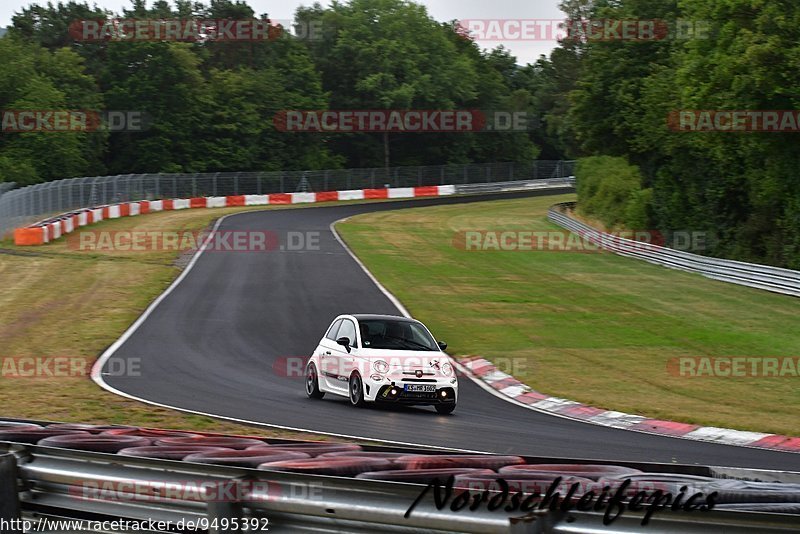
(407, 360)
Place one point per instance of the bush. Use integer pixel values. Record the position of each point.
(609, 189)
(638, 209)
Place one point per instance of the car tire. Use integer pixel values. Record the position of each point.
(445, 409)
(312, 382)
(357, 391)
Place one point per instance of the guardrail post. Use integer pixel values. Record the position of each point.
(224, 511)
(9, 498)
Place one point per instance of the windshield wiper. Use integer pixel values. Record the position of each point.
(413, 343)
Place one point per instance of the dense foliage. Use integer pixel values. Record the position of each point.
(210, 104)
(613, 98)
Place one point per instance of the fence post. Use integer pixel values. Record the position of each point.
(9, 498)
(214, 182)
(235, 184)
(194, 185)
(281, 182)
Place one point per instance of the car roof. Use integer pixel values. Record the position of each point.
(373, 317)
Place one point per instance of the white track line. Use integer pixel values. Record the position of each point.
(97, 375)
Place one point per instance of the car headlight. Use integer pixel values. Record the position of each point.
(381, 367)
(447, 369)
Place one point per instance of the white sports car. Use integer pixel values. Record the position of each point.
(382, 358)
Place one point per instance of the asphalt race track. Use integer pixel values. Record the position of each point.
(212, 345)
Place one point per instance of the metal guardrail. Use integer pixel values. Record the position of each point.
(52, 483)
(774, 279)
(25, 205)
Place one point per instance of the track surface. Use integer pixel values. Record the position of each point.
(212, 345)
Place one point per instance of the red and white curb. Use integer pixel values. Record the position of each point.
(53, 228)
(508, 386)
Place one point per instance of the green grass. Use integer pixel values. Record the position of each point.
(596, 328)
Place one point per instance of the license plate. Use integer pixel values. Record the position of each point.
(420, 388)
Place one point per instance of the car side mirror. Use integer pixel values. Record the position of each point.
(442, 345)
(345, 342)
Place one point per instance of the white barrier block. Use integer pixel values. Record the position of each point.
(68, 226)
(156, 205)
(83, 219)
(256, 200)
(351, 194)
(134, 209)
(46, 233)
(113, 212)
(56, 226)
(180, 204)
(401, 192)
(446, 189)
(97, 214)
(216, 202)
(302, 198)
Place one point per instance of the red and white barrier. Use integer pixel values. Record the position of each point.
(52, 229)
(506, 385)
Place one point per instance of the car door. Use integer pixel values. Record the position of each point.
(329, 358)
(345, 361)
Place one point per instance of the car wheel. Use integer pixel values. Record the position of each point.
(445, 409)
(312, 382)
(357, 391)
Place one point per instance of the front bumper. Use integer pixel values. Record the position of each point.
(397, 395)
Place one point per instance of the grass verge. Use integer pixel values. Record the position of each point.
(58, 301)
(596, 328)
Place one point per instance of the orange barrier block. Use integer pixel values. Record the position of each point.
(327, 196)
(29, 236)
(426, 191)
(197, 202)
(376, 193)
(144, 207)
(280, 198)
(168, 204)
(124, 210)
(234, 201)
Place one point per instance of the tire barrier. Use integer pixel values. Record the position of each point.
(391, 456)
(591, 471)
(758, 492)
(94, 429)
(178, 452)
(33, 435)
(11, 425)
(154, 435)
(312, 448)
(538, 484)
(239, 458)
(423, 476)
(93, 442)
(213, 441)
(435, 461)
(668, 483)
(342, 467)
(775, 508)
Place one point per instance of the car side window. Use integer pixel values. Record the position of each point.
(333, 329)
(348, 330)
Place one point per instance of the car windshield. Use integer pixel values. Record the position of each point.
(395, 335)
